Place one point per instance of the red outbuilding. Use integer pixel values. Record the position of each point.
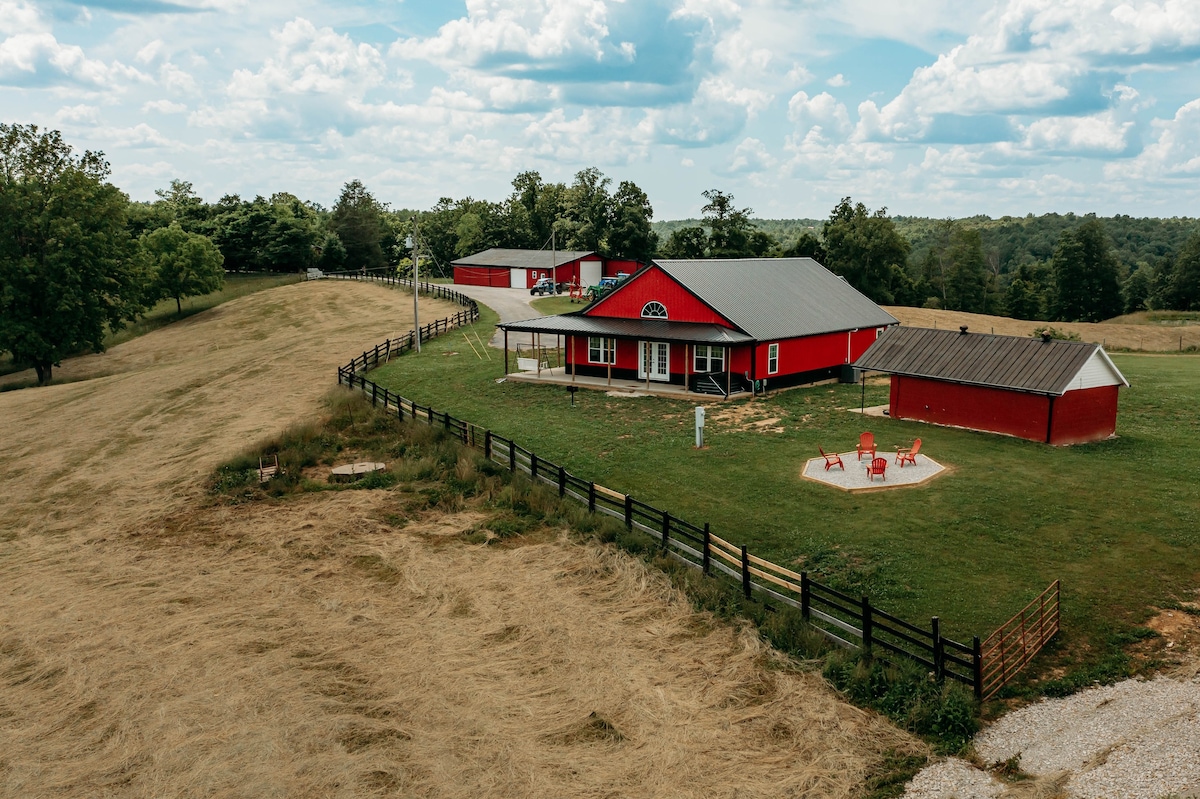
(719, 326)
(1041, 389)
(509, 268)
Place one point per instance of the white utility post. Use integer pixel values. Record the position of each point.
(699, 427)
(412, 242)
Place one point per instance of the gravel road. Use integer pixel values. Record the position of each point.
(1132, 740)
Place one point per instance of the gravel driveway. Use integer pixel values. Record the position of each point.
(1137, 739)
(512, 305)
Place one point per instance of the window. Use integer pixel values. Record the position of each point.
(654, 310)
(772, 359)
(709, 359)
(602, 350)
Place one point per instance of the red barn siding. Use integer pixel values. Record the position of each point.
(976, 407)
(481, 276)
(815, 352)
(653, 284)
(1088, 414)
(614, 266)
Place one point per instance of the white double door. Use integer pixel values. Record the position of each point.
(658, 354)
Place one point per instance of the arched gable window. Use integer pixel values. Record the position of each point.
(654, 310)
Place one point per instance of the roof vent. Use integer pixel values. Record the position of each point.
(962, 329)
(1046, 336)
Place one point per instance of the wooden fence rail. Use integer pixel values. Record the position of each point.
(845, 620)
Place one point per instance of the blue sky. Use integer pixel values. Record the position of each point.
(930, 107)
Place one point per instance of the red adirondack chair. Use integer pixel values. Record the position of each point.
(831, 460)
(878, 466)
(866, 445)
(908, 454)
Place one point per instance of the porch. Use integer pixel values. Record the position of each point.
(561, 376)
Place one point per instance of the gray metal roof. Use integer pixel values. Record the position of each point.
(647, 329)
(522, 259)
(1012, 362)
(776, 298)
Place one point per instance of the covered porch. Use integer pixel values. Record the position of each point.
(660, 357)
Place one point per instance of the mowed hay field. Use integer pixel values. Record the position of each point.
(154, 643)
(1115, 335)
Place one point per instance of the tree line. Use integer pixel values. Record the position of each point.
(79, 259)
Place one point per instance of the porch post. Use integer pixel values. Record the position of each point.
(687, 367)
(571, 357)
(646, 362)
(728, 376)
(537, 351)
(506, 351)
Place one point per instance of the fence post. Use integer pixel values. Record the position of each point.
(532, 466)
(805, 595)
(628, 512)
(512, 457)
(707, 544)
(374, 394)
(745, 572)
(939, 657)
(592, 497)
(377, 355)
(977, 663)
(446, 419)
(487, 444)
(666, 530)
(866, 614)
(388, 355)
(562, 481)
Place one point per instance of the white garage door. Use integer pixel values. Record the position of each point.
(589, 273)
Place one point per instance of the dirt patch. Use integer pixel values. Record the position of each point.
(153, 643)
(1119, 335)
(749, 417)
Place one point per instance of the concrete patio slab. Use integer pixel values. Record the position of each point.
(853, 477)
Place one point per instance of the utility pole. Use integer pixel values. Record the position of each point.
(412, 241)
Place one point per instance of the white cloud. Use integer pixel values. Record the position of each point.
(687, 162)
(151, 51)
(19, 16)
(717, 112)
(175, 79)
(310, 61)
(821, 112)
(163, 107)
(1174, 154)
(78, 113)
(838, 80)
(33, 59)
(751, 156)
(1100, 134)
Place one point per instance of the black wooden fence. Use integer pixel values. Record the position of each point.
(844, 620)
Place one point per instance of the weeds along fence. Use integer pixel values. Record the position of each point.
(850, 622)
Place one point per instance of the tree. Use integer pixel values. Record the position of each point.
(182, 264)
(807, 246)
(69, 270)
(730, 228)
(1024, 295)
(631, 235)
(587, 213)
(358, 221)
(1137, 288)
(868, 251)
(1086, 275)
(967, 280)
(333, 254)
(1183, 286)
(686, 242)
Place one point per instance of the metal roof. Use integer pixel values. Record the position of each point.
(776, 298)
(1013, 362)
(612, 327)
(522, 259)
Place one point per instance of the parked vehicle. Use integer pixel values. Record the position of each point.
(544, 285)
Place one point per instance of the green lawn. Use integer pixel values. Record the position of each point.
(553, 306)
(1117, 521)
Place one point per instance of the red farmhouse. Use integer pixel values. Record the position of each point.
(718, 326)
(520, 269)
(1059, 392)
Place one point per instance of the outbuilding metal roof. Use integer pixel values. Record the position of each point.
(646, 329)
(1031, 365)
(522, 259)
(776, 298)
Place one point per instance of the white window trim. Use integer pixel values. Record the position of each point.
(608, 346)
(655, 316)
(708, 357)
(772, 358)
